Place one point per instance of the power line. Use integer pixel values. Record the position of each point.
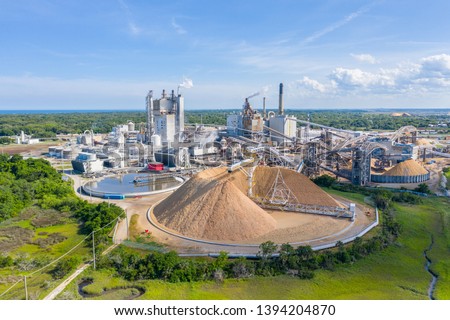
(1, 295)
(56, 260)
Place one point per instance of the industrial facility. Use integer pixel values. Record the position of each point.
(251, 137)
(25, 139)
(248, 181)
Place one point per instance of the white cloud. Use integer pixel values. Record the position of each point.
(353, 78)
(436, 66)
(337, 25)
(134, 29)
(132, 26)
(430, 74)
(178, 29)
(364, 57)
(311, 85)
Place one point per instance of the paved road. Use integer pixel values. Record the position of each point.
(52, 295)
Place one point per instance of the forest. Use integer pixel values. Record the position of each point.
(50, 125)
(34, 182)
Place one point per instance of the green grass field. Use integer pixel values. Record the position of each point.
(37, 256)
(447, 175)
(395, 273)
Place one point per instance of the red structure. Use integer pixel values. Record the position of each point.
(155, 166)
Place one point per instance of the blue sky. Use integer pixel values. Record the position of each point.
(106, 54)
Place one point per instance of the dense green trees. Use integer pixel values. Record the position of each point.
(22, 182)
(34, 182)
(5, 140)
(423, 188)
(364, 120)
(66, 265)
(49, 125)
(324, 180)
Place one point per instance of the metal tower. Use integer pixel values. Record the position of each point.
(280, 193)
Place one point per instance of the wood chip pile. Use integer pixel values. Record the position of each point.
(406, 168)
(214, 204)
(301, 186)
(209, 207)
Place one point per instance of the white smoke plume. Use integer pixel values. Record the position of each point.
(187, 83)
(263, 91)
(253, 95)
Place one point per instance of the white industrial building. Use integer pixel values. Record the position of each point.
(282, 124)
(87, 163)
(165, 127)
(165, 116)
(25, 139)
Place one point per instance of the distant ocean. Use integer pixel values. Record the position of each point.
(62, 111)
(381, 110)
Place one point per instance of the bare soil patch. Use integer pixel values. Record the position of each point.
(14, 237)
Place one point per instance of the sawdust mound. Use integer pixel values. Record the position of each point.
(400, 114)
(423, 142)
(301, 186)
(211, 206)
(406, 168)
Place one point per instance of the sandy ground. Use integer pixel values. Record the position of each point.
(295, 228)
(30, 150)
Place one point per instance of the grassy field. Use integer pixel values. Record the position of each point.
(40, 246)
(447, 175)
(358, 198)
(395, 273)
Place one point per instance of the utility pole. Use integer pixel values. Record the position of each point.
(93, 247)
(26, 289)
(126, 218)
(90, 190)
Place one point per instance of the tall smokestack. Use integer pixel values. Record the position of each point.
(150, 117)
(280, 102)
(264, 107)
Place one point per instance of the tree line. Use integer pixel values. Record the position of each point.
(49, 125)
(24, 183)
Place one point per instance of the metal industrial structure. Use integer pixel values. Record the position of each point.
(263, 138)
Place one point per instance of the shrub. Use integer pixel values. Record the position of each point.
(65, 266)
(324, 180)
(423, 187)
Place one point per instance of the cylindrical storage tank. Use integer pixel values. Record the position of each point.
(131, 126)
(156, 140)
(223, 143)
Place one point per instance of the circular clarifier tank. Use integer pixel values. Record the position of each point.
(131, 185)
